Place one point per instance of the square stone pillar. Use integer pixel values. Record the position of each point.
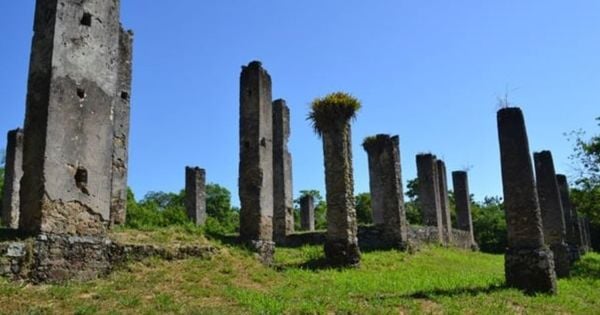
(429, 194)
(444, 201)
(195, 194)
(529, 264)
(283, 202)
(385, 181)
(462, 197)
(307, 213)
(553, 218)
(13, 171)
(563, 188)
(121, 114)
(256, 160)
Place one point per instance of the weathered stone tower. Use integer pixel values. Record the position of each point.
(307, 213)
(529, 264)
(195, 194)
(121, 114)
(13, 171)
(283, 207)
(429, 195)
(462, 197)
(553, 219)
(387, 197)
(75, 84)
(444, 200)
(256, 160)
(563, 187)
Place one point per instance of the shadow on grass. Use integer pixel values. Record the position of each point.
(587, 267)
(429, 294)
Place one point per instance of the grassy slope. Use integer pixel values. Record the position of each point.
(435, 280)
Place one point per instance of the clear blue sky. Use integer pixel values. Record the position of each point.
(430, 71)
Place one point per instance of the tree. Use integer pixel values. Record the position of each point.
(413, 209)
(489, 224)
(364, 213)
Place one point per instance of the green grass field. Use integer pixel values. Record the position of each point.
(432, 281)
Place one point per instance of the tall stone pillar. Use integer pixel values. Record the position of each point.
(551, 207)
(66, 189)
(195, 194)
(387, 197)
(13, 171)
(578, 232)
(444, 200)
(283, 203)
(563, 188)
(256, 160)
(529, 264)
(429, 195)
(307, 213)
(121, 113)
(462, 197)
(585, 234)
(67, 153)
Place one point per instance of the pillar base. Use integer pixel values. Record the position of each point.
(530, 270)
(341, 253)
(574, 255)
(265, 251)
(562, 263)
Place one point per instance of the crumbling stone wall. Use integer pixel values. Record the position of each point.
(552, 212)
(429, 195)
(13, 171)
(195, 194)
(256, 160)
(121, 114)
(283, 207)
(529, 264)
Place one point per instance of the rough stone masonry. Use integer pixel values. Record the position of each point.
(385, 180)
(13, 172)
(444, 201)
(256, 160)
(529, 264)
(74, 79)
(121, 113)
(283, 207)
(462, 197)
(563, 187)
(553, 219)
(429, 196)
(195, 194)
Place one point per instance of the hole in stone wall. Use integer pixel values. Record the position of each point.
(81, 179)
(124, 95)
(86, 19)
(81, 93)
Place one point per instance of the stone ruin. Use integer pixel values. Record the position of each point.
(529, 263)
(283, 204)
(442, 182)
(429, 193)
(462, 198)
(307, 213)
(256, 161)
(568, 212)
(13, 172)
(195, 194)
(385, 181)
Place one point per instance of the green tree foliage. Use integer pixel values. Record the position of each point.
(586, 159)
(161, 209)
(489, 224)
(364, 213)
(413, 210)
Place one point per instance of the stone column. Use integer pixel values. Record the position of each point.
(67, 152)
(588, 234)
(387, 197)
(341, 246)
(307, 213)
(256, 160)
(578, 232)
(444, 201)
(13, 171)
(283, 204)
(585, 234)
(551, 207)
(529, 264)
(563, 188)
(462, 196)
(195, 194)
(429, 195)
(121, 113)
